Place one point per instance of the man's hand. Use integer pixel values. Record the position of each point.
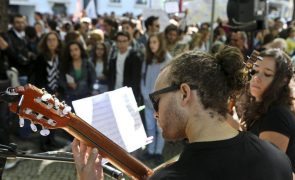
(87, 161)
(3, 44)
(72, 85)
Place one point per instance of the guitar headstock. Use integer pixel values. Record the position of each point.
(40, 108)
(252, 59)
(250, 62)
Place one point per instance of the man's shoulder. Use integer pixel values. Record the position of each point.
(135, 53)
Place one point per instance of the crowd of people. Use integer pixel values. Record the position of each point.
(74, 60)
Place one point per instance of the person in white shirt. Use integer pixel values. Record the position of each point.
(125, 66)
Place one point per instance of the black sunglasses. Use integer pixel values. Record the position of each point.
(153, 96)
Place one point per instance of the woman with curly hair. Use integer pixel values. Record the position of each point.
(268, 106)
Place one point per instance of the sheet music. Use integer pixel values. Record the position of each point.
(128, 118)
(115, 115)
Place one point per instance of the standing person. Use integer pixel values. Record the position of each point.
(45, 74)
(77, 73)
(125, 66)
(152, 26)
(269, 110)
(21, 57)
(99, 59)
(200, 41)
(239, 39)
(172, 36)
(47, 65)
(188, 106)
(157, 57)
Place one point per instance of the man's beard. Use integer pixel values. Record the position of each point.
(175, 122)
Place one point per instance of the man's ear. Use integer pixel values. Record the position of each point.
(185, 93)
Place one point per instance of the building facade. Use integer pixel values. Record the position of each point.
(28, 7)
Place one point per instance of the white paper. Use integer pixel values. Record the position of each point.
(115, 114)
(171, 7)
(70, 79)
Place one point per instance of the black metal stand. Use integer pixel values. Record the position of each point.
(66, 157)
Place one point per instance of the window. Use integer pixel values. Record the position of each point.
(115, 1)
(141, 2)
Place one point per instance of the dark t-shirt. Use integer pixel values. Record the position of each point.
(244, 157)
(278, 119)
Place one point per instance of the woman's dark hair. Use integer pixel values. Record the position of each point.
(30, 32)
(149, 21)
(71, 36)
(105, 52)
(160, 54)
(216, 77)
(67, 59)
(278, 92)
(104, 58)
(43, 48)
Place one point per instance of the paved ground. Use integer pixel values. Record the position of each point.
(48, 170)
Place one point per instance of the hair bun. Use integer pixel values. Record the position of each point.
(230, 60)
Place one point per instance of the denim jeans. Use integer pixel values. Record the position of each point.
(157, 145)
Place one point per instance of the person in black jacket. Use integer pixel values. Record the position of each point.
(125, 66)
(21, 57)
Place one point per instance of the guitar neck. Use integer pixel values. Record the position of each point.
(107, 148)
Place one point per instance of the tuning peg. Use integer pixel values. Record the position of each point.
(51, 122)
(38, 100)
(45, 132)
(33, 127)
(21, 121)
(56, 103)
(66, 110)
(28, 111)
(39, 116)
(63, 103)
(11, 91)
(49, 106)
(46, 97)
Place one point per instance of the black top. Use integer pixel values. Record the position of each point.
(20, 56)
(244, 157)
(131, 72)
(41, 71)
(278, 119)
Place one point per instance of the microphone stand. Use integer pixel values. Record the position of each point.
(66, 157)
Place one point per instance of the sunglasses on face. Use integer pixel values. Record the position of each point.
(155, 99)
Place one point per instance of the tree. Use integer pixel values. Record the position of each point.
(4, 15)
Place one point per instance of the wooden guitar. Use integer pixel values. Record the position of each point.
(42, 108)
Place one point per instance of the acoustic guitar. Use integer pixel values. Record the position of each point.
(44, 109)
